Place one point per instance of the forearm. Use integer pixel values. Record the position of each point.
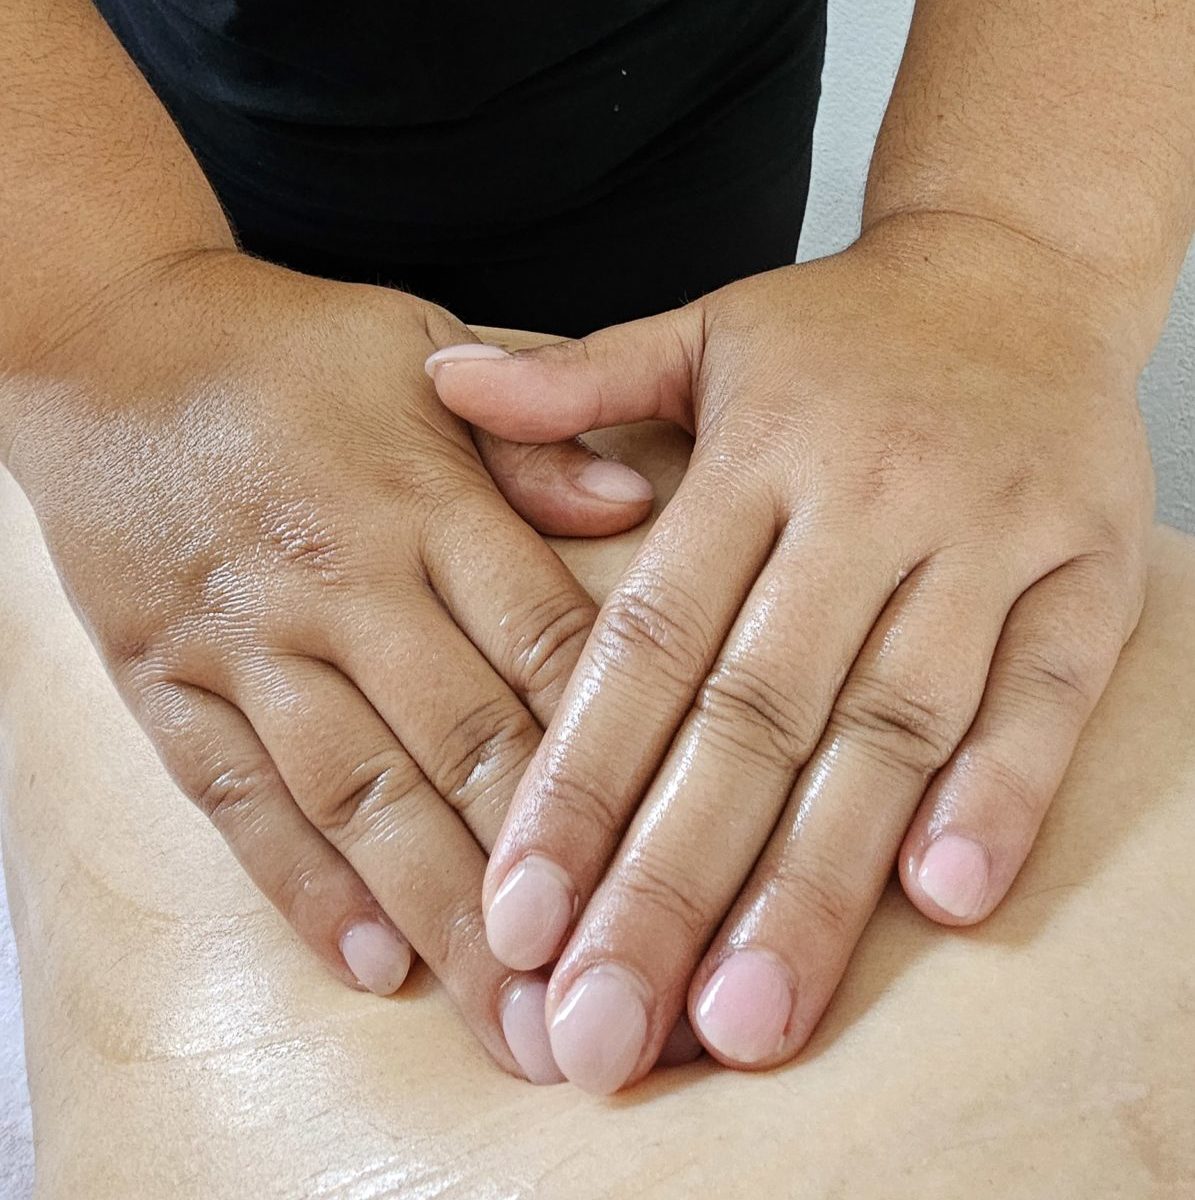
(96, 183)
(1069, 124)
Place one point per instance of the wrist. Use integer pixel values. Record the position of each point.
(125, 330)
(997, 267)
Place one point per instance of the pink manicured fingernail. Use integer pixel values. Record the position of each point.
(745, 1007)
(526, 1031)
(530, 913)
(954, 875)
(614, 482)
(598, 1032)
(681, 1047)
(465, 352)
(377, 956)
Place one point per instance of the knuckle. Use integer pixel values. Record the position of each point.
(370, 799)
(655, 620)
(739, 704)
(454, 940)
(548, 641)
(1066, 678)
(227, 796)
(296, 534)
(819, 894)
(652, 888)
(886, 465)
(1003, 784)
(574, 800)
(889, 720)
(488, 742)
(294, 890)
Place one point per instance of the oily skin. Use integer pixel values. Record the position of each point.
(305, 576)
(1043, 1053)
(770, 666)
(870, 625)
(337, 634)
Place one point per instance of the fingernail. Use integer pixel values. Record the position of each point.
(530, 914)
(377, 956)
(465, 352)
(681, 1047)
(598, 1032)
(954, 874)
(745, 1007)
(526, 1031)
(614, 482)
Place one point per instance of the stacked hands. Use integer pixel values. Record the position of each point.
(867, 629)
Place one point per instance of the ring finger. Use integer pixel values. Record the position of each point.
(360, 788)
(905, 705)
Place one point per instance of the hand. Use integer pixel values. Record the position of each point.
(338, 636)
(869, 627)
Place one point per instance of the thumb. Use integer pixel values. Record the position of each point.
(563, 488)
(640, 371)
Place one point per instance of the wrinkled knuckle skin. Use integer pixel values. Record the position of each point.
(738, 705)
(657, 624)
(573, 802)
(485, 748)
(298, 536)
(549, 642)
(1000, 785)
(811, 893)
(227, 796)
(371, 801)
(898, 728)
(451, 945)
(1064, 678)
(294, 892)
(652, 892)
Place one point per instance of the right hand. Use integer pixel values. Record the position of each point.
(340, 639)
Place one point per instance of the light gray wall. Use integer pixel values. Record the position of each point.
(866, 39)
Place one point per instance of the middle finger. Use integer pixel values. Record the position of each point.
(755, 721)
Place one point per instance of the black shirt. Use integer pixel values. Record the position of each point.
(379, 137)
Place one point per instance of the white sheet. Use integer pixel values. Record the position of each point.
(16, 1134)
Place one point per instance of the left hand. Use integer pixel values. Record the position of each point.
(869, 627)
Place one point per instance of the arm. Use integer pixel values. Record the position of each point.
(96, 183)
(1069, 126)
(256, 503)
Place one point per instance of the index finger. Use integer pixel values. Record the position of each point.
(653, 643)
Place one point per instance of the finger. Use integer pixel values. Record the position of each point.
(468, 733)
(905, 705)
(710, 810)
(515, 600)
(565, 489)
(652, 645)
(681, 1046)
(219, 762)
(980, 817)
(365, 794)
(639, 371)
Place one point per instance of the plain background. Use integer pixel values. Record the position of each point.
(866, 37)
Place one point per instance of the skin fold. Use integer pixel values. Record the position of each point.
(182, 1042)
